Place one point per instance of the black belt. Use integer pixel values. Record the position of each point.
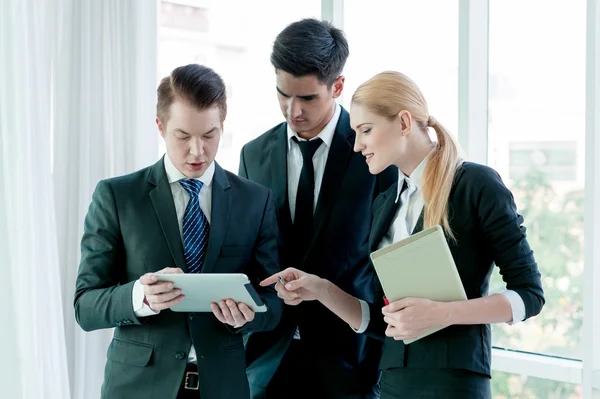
(190, 379)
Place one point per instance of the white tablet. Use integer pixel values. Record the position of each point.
(202, 289)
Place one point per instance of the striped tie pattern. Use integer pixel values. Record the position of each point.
(195, 227)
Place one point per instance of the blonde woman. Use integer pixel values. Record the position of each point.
(477, 212)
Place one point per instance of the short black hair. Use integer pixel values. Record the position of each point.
(311, 47)
(196, 84)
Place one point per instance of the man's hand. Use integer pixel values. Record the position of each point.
(234, 314)
(160, 295)
(299, 286)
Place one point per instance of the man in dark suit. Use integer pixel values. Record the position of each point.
(324, 194)
(184, 211)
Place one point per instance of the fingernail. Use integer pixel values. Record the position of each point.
(288, 286)
(170, 286)
(153, 278)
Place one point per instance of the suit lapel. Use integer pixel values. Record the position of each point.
(221, 207)
(337, 160)
(419, 225)
(383, 216)
(162, 200)
(278, 156)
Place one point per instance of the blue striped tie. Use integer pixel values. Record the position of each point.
(195, 227)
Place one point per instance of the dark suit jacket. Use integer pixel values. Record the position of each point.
(131, 229)
(339, 252)
(489, 231)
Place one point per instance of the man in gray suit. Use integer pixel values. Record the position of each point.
(184, 211)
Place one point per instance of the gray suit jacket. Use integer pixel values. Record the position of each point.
(131, 229)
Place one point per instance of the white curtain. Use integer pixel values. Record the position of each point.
(33, 335)
(77, 100)
(104, 109)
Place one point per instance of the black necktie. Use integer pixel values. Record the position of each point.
(303, 216)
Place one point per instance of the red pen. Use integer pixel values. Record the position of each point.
(385, 300)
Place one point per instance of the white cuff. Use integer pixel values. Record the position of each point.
(517, 306)
(366, 317)
(137, 297)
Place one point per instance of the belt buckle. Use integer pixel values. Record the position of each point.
(187, 378)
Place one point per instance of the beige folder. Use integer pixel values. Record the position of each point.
(419, 266)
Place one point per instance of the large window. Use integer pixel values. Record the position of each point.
(536, 142)
(417, 38)
(235, 39)
(514, 386)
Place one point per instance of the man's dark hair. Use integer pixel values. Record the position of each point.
(195, 84)
(311, 47)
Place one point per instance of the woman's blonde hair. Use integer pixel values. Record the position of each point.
(389, 93)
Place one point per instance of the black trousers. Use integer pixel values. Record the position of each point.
(410, 383)
(304, 374)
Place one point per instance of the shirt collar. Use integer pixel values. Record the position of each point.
(174, 174)
(326, 134)
(415, 178)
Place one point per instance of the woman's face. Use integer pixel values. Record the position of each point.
(379, 139)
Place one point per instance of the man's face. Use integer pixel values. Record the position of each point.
(191, 137)
(306, 103)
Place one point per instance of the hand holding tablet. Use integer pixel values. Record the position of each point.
(201, 290)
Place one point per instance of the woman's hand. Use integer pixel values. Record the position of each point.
(298, 286)
(409, 318)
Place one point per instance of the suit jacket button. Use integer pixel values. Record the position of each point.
(191, 316)
(179, 355)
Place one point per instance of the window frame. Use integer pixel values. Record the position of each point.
(473, 86)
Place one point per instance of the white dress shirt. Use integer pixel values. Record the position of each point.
(399, 230)
(294, 160)
(181, 199)
(294, 164)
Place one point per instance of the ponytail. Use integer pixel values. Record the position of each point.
(438, 178)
